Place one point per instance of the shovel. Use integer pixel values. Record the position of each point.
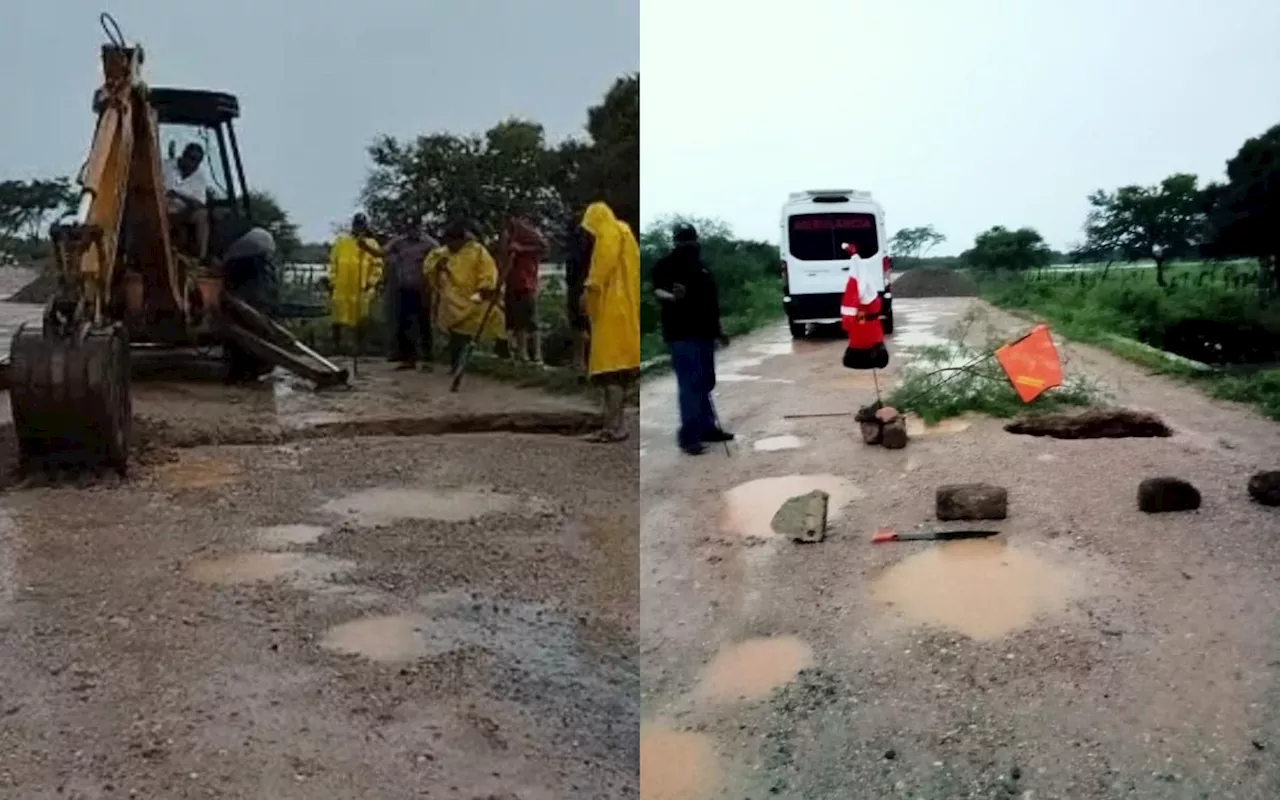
(929, 536)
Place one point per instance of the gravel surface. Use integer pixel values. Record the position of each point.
(1088, 651)
(359, 616)
(933, 282)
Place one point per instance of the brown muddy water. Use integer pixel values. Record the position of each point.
(751, 669)
(384, 505)
(389, 639)
(282, 537)
(198, 471)
(983, 589)
(749, 507)
(259, 567)
(677, 765)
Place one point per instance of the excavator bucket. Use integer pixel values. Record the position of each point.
(70, 398)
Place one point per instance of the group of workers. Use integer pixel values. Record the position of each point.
(456, 286)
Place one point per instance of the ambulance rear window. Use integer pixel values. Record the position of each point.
(821, 237)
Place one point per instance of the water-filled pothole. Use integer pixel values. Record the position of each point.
(983, 589)
(753, 668)
(197, 471)
(282, 537)
(259, 567)
(749, 507)
(676, 765)
(385, 505)
(774, 443)
(1093, 423)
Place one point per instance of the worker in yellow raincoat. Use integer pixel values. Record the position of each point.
(465, 283)
(355, 270)
(611, 303)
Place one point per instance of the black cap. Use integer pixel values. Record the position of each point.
(684, 233)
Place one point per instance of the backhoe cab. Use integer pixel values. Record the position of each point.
(122, 281)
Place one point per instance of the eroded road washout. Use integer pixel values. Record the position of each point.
(329, 605)
(1088, 651)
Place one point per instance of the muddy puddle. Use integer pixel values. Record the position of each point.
(753, 668)
(244, 568)
(983, 589)
(382, 506)
(749, 507)
(524, 633)
(282, 537)
(198, 471)
(772, 444)
(677, 765)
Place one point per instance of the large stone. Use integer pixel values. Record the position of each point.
(872, 432)
(972, 501)
(1164, 494)
(803, 518)
(887, 415)
(894, 435)
(1264, 487)
(1093, 423)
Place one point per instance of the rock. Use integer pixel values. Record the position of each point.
(803, 518)
(872, 432)
(887, 415)
(868, 413)
(1162, 494)
(972, 501)
(894, 435)
(1094, 423)
(1264, 487)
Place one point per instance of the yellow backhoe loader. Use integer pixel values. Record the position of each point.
(124, 283)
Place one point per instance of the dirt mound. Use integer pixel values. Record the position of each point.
(934, 282)
(38, 291)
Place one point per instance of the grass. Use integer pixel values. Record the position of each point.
(957, 378)
(1086, 308)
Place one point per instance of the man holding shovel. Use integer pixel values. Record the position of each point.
(466, 284)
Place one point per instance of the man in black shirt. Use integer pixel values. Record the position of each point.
(691, 328)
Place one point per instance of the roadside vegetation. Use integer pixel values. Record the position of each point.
(747, 275)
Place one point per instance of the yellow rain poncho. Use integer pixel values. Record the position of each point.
(611, 293)
(353, 274)
(459, 277)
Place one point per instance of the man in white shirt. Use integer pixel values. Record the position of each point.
(188, 196)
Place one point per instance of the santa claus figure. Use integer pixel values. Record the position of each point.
(860, 316)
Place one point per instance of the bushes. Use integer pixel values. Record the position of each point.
(746, 273)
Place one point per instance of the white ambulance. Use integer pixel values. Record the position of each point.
(816, 226)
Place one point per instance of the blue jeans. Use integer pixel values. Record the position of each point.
(694, 362)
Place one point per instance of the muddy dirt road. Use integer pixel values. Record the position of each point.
(1090, 651)
(282, 603)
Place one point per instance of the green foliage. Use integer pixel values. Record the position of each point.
(1001, 249)
(267, 212)
(1087, 307)
(746, 272)
(510, 170)
(1244, 213)
(958, 378)
(909, 245)
(27, 207)
(1140, 222)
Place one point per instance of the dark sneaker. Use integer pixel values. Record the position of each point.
(718, 436)
(693, 450)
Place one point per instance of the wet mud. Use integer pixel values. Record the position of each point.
(751, 669)
(677, 765)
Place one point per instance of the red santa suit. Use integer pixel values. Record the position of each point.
(860, 318)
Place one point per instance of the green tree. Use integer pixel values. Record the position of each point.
(27, 207)
(1002, 249)
(268, 213)
(1148, 222)
(1244, 213)
(911, 244)
(608, 168)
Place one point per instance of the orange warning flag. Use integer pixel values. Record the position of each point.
(1031, 363)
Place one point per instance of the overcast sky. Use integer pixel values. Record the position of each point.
(314, 87)
(962, 114)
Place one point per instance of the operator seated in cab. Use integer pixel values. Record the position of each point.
(188, 195)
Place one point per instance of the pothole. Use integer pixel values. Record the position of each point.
(193, 471)
(282, 537)
(749, 507)
(1093, 423)
(753, 668)
(261, 567)
(676, 765)
(774, 443)
(393, 638)
(380, 506)
(983, 589)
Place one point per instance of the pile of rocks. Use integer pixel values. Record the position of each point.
(882, 425)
